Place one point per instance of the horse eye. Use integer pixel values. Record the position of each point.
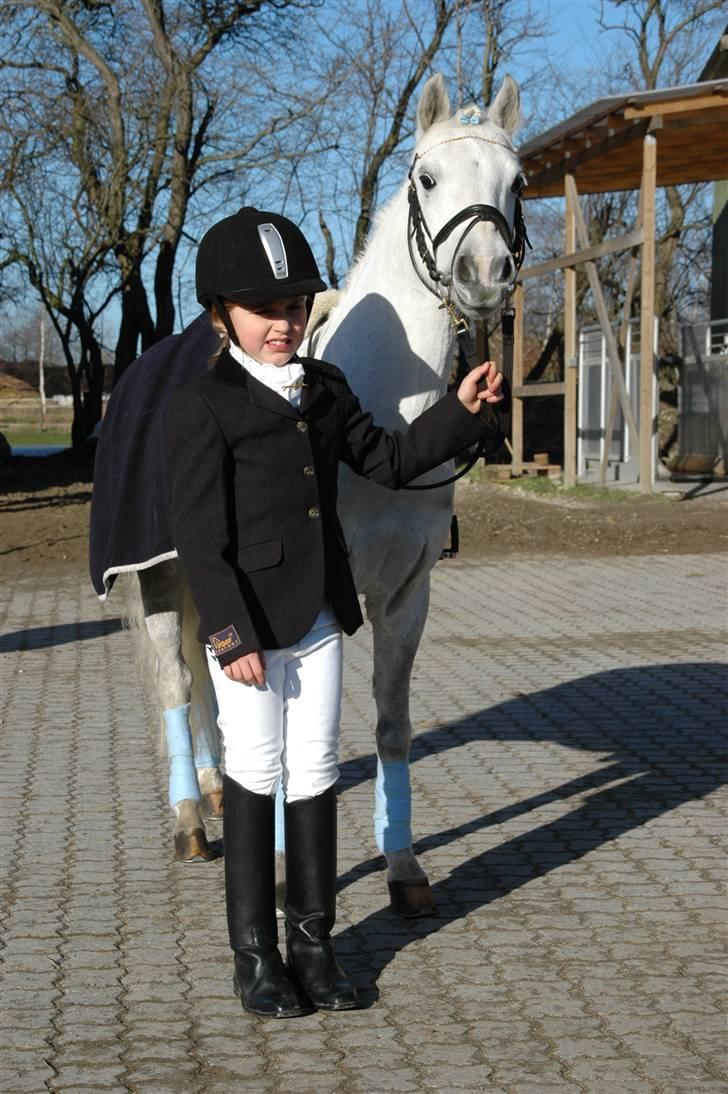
(427, 181)
(519, 183)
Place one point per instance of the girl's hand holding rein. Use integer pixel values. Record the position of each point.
(482, 385)
(248, 669)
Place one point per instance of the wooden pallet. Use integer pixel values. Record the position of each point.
(514, 471)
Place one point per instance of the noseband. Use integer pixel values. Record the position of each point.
(515, 239)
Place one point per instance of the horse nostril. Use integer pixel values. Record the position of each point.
(466, 271)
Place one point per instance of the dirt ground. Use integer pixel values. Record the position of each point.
(45, 502)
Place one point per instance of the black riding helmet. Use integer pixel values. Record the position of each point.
(251, 257)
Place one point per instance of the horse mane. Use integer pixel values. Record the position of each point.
(323, 305)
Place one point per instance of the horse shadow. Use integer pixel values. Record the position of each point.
(360, 326)
(58, 634)
(659, 732)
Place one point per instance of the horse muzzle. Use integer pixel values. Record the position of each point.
(478, 301)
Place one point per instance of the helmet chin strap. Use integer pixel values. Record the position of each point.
(227, 321)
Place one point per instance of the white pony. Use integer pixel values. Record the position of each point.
(446, 247)
(394, 343)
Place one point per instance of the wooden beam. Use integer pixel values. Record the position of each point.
(683, 106)
(647, 314)
(517, 379)
(623, 332)
(608, 247)
(553, 171)
(570, 362)
(525, 391)
(603, 314)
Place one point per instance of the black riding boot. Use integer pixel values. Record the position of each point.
(311, 902)
(260, 979)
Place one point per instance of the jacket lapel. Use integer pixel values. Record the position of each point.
(314, 390)
(228, 369)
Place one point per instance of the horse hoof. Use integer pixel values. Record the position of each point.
(411, 898)
(192, 846)
(211, 804)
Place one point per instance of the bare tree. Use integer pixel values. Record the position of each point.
(116, 118)
(646, 44)
(669, 40)
(384, 54)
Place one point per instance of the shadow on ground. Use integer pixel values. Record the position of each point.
(659, 731)
(39, 638)
(27, 474)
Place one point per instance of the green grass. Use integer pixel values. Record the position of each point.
(38, 437)
(545, 487)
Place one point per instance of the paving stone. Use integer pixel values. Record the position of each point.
(568, 808)
(20, 1080)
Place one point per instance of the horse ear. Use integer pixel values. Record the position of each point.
(506, 109)
(434, 104)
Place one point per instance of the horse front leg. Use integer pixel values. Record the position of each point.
(396, 633)
(161, 591)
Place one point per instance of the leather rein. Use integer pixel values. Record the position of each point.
(439, 283)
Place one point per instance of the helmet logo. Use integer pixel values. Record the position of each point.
(270, 237)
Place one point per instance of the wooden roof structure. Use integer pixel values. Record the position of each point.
(601, 146)
(636, 141)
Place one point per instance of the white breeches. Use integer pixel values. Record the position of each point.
(289, 729)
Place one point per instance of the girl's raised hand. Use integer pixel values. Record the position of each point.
(482, 385)
(248, 669)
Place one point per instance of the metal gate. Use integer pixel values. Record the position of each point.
(595, 397)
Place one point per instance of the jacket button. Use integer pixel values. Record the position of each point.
(301, 427)
(308, 469)
(313, 512)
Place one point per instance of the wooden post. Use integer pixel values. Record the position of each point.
(570, 361)
(622, 343)
(600, 305)
(647, 315)
(517, 380)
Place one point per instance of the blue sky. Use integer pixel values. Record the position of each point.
(574, 60)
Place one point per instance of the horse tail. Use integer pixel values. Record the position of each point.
(203, 706)
(145, 657)
(132, 615)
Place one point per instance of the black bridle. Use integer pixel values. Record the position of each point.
(516, 240)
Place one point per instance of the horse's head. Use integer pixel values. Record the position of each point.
(465, 183)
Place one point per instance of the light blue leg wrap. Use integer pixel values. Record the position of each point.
(182, 775)
(280, 836)
(207, 749)
(393, 798)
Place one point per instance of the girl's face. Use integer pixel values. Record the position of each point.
(271, 332)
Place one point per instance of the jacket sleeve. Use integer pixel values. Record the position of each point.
(199, 487)
(394, 459)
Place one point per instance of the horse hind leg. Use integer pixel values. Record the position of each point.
(396, 635)
(203, 715)
(160, 589)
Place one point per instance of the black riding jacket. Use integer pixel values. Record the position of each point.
(252, 488)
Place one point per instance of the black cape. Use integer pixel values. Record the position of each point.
(129, 528)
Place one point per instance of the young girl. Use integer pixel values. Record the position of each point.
(253, 448)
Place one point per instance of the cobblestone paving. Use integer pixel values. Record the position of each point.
(570, 811)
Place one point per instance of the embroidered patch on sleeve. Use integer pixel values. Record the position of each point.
(225, 640)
